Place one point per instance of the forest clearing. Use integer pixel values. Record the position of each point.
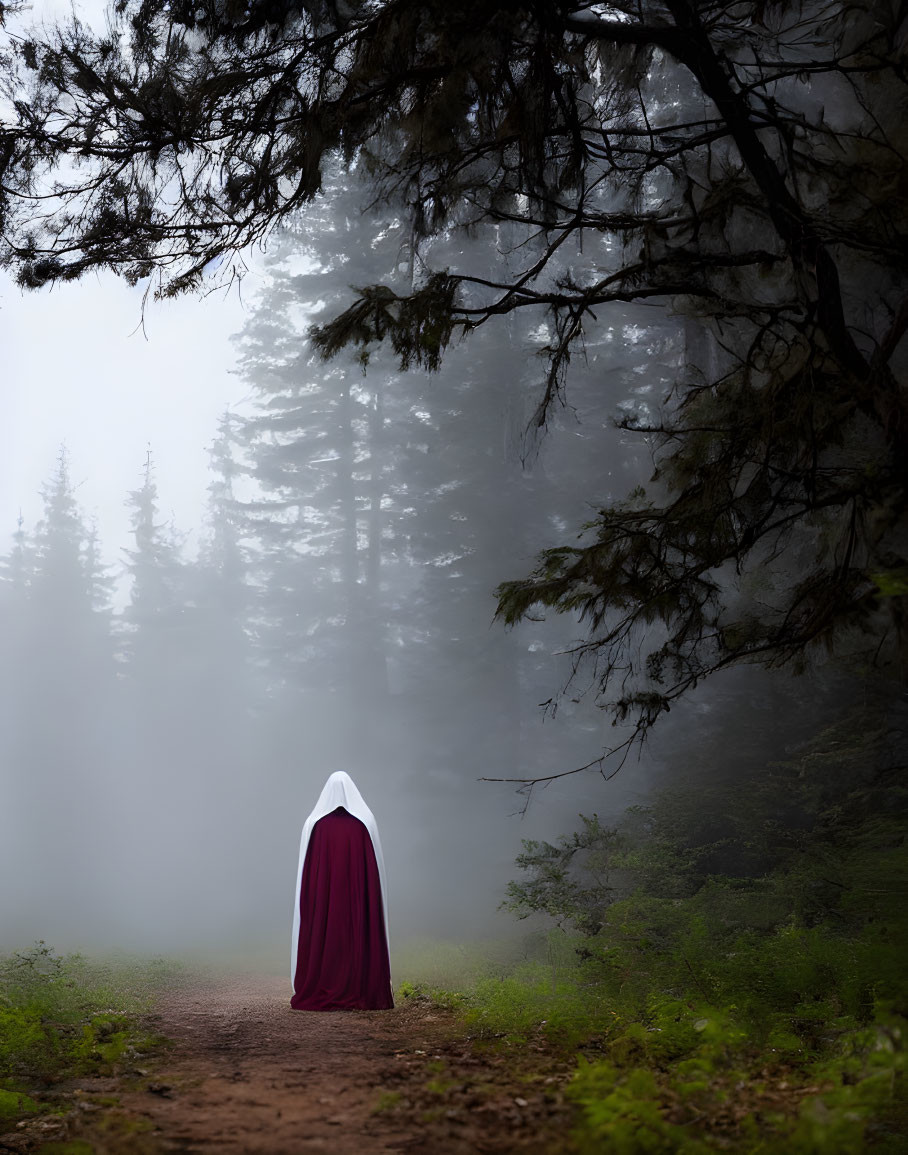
(555, 387)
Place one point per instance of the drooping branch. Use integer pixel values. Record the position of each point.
(658, 154)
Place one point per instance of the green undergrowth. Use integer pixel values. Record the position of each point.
(727, 967)
(65, 1017)
(443, 970)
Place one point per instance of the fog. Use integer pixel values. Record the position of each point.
(238, 568)
(90, 368)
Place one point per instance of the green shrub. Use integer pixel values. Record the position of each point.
(621, 1113)
(735, 953)
(64, 1016)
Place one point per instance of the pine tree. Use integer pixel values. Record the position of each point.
(59, 676)
(223, 564)
(315, 453)
(678, 146)
(223, 601)
(157, 597)
(160, 659)
(68, 592)
(182, 719)
(15, 572)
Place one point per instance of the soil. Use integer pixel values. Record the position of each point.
(245, 1073)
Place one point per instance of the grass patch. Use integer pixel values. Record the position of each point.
(436, 965)
(387, 1101)
(66, 1016)
(726, 965)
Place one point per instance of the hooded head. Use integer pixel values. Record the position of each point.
(340, 790)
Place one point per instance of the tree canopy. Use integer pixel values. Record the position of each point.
(736, 169)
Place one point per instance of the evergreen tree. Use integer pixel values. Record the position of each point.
(223, 604)
(15, 572)
(68, 593)
(156, 610)
(58, 675)
(677, 144)
(442, 472)
(185, 703)
(222, 570)
(315, 453)
(159, 657)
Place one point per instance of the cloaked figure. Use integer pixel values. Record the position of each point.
(339, 949)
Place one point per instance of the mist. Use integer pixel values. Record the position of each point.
(195, 638)
(177, 689)
(503, 405)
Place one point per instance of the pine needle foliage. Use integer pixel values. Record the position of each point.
(738, 167)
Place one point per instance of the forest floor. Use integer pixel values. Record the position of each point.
(245, 1073)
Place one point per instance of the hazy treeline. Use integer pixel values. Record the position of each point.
(169, 718)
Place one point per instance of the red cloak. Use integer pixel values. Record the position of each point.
(342, 955)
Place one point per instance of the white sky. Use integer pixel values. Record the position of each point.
(78, 369)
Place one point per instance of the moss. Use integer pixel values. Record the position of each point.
(387, 1101)
(102, 1043)
(70, 1147)
(13, 1105)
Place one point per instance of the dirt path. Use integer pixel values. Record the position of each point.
(247, 1074)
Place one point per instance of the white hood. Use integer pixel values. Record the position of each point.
(339, 790)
